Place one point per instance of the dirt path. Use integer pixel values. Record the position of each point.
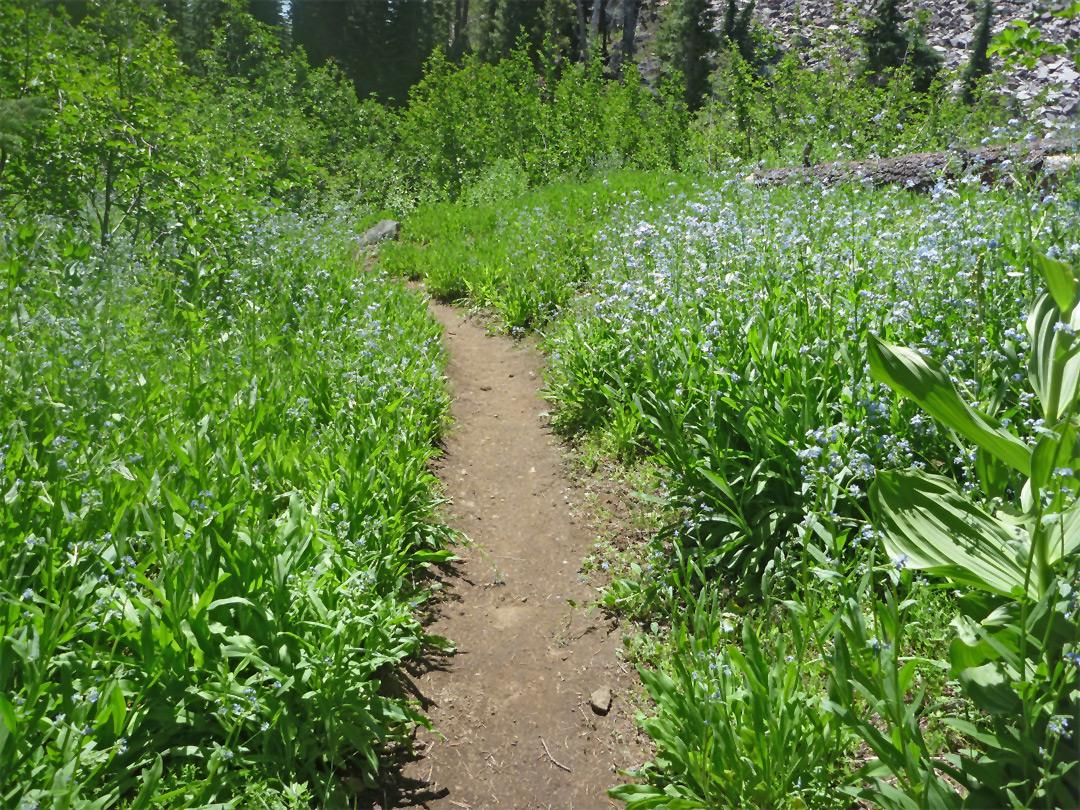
(514, 703)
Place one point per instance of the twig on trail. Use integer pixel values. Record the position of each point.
(553, 760)
(586, 718)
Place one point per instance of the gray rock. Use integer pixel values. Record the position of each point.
(386, 231)
(600, 700)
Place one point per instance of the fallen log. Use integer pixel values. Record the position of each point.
(921, 171)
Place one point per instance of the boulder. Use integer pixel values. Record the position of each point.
(387, 230)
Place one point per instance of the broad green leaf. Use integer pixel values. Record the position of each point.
(118, 709)
(927, 518)
(7, 714)
(990, 688)
(1054, 368)
(910, 374)
(8, 722)
(1060, 280)
(993, 475)
(1063, 532)
(1051, 452)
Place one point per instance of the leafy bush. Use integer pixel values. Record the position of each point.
(738, 725)
(1016, 629)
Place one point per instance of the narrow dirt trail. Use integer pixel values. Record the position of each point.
(513, 705)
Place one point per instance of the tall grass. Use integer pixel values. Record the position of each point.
(216, 513)
(720, 329)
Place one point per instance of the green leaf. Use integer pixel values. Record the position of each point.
(1051, 451)
(150, 782)
(993, 475)
(118, 709)
(928, 518)
(1061, 281)
(8, 721)
(1063, 533)
(910, 374)
(990, 688)
(1054, 369)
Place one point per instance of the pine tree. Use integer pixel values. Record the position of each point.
(890, 45)
(979, 63)
(624, 27)
(735, 31)
(507, 20)
(742, 37)
(884, 40)
(200, 19)
(268, 12)
(380, 45)
(731, 18)
(686, 44)
(320, 29)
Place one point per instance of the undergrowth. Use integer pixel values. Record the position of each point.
(718, 332)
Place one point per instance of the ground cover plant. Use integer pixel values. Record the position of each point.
(725, 332)
(216, 515)
(214, 426)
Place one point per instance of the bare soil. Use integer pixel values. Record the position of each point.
(511, 709)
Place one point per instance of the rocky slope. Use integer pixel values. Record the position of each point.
(811, 26)
(950, 29)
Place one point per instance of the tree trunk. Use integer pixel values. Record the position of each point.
(922, 171)
(627, 14)
(597, 28)
(582, 30)
(461, 21)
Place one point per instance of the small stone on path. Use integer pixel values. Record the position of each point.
(600, 700)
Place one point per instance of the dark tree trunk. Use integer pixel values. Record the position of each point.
(582, 31)
(626, 15)
(598, 29)
(461, 20)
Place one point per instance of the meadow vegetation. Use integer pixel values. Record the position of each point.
(217, 515)
(726, 334)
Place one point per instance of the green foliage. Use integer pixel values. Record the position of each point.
(20, 121)
(777, 113)
(979, 64)
(1015, 628)
(526, 258)
(463, 121)
(889, 44)
(738, 724)
(685, 43)
(216, 512)
(875, 690)
(207, 578)
(740, 36)
(1022, 43)
(718, 332)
